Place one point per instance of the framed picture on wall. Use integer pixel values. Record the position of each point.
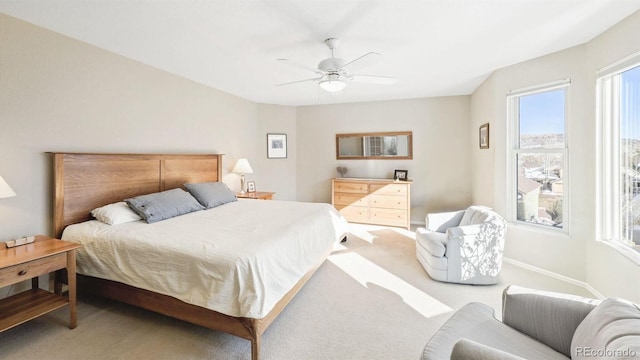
(251, 186)
(484, 136)
(276, 146)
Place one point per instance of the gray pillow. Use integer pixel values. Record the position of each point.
(163, 205)
(211, 194)
(611, 330)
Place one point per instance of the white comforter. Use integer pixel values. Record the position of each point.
(238, 259)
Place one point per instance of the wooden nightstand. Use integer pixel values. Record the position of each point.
(24, 262)
(259, 195)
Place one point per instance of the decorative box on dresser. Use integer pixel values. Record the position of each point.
(373, 201)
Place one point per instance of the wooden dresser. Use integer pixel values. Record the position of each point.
(373, 201)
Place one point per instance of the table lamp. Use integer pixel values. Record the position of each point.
(242, 167)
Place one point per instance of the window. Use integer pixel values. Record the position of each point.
(619, 118)
(538, 155)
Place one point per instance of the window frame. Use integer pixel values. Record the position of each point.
(514, 150)
(608, 208)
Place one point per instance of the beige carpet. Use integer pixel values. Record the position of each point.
(370, 300)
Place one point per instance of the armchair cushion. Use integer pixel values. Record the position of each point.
(440, 222)
(434, 242)
(476, 215)
(551, 318)
(610, 331)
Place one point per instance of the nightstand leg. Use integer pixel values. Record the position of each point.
(71, 282)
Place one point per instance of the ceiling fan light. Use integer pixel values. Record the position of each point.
(332, 85)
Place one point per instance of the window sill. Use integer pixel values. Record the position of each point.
(626, 251)
(540, 229)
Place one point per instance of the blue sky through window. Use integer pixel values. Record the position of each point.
(542, 113)
(630, 104)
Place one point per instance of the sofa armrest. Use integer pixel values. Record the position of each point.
(466, 349)
(551, 318)
(441, 221)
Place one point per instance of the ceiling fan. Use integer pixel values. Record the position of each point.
(335, 72)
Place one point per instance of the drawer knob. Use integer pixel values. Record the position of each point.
(22, 272)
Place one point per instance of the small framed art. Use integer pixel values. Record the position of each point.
(484, 136)
(276, 146)
(251, 186)
(401, 175)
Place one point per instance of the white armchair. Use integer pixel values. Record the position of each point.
(462, 246)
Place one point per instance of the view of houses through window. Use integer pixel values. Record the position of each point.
(539, 151)
(629, 155)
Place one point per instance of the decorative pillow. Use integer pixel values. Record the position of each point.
(211, 194)
(611, 330)
(164, 205)
(116, 213)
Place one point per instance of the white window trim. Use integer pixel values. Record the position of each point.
(513, 151)
(608, 182)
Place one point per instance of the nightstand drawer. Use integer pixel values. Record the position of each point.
(31, 269)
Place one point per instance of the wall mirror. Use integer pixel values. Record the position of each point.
(381, 145)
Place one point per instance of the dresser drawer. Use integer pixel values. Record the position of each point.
(31, 269)
(350, 199)
(388, 201)
(350, 187)
(354, 213)
(389, 189)
(390, 217)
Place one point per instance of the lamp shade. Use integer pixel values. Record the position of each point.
(332, 85)
(242, 167)
(5, 189)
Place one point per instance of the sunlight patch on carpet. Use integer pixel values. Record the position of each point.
(366, 272)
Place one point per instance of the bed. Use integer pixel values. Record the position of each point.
(246, 240)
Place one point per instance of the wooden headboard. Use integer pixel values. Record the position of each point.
(84, 182)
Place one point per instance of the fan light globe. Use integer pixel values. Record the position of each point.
(332, 85)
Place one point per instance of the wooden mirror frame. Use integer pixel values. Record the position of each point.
(409, 156)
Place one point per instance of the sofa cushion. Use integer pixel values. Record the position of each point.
(433, 242)
(476, 215)
(466, 349)
(611, 330)
(475, 321)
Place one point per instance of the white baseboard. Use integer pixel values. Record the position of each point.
(557, 276)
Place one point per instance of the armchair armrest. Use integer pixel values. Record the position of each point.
(551, 318)
(475, 252)
(441, 221)
(466, 349)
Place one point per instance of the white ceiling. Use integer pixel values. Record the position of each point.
(433, 47)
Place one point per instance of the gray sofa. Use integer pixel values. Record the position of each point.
(540, 325)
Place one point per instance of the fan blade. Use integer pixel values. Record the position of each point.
(300, 66)
(363, 61)
(373, 79)
(300, 81)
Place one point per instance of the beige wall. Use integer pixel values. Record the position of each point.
(59, 94)
(277, 175)
(577, 255)
(440, 168)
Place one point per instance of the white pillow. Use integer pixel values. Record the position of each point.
(116, 213)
